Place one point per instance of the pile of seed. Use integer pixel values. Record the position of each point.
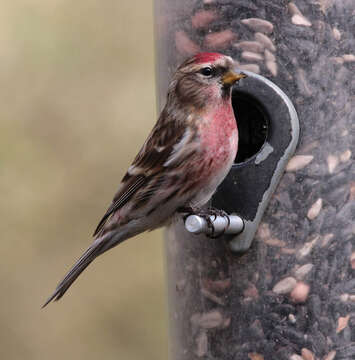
(292, 296)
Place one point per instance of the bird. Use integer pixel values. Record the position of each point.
(188, 153)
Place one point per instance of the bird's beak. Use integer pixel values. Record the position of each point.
(231, 77)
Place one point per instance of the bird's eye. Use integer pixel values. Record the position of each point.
(206, 71)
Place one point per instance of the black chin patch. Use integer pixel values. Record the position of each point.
(226, 91)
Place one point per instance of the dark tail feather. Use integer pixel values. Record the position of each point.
(96, 249)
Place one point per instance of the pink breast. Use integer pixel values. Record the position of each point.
(220, 137)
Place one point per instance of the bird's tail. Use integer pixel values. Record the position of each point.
(99, 246)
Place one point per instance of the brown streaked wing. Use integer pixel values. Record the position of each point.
(159, 146)
(121, 198)
(148, 163)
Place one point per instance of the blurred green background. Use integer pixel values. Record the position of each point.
(77, 101)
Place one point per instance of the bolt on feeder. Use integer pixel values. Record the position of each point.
(280, 282)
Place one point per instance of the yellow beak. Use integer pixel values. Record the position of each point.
(230, 77)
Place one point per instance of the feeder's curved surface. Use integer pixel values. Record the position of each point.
(292, 294)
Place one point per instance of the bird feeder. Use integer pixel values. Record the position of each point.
(280, 283)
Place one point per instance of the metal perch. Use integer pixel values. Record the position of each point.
(232, 224)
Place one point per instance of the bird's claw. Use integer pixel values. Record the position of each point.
(206, 215)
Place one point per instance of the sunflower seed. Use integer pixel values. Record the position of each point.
(259, 25)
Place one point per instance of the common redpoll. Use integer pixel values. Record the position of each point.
(186, 156)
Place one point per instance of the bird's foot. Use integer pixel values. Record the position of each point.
(215, 213)
(206, 214)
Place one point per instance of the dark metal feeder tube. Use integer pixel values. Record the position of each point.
(292, 294)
